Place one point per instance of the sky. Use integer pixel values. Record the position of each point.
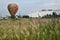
(26, 6)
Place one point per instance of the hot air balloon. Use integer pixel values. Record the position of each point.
(12, 8)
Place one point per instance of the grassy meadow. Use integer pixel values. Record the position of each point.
(30, 29)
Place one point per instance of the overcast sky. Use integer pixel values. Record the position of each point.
(26, 6)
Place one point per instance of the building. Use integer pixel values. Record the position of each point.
(39, 13)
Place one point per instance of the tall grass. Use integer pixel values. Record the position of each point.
(12, 30)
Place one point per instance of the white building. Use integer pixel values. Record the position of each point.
(39, 13)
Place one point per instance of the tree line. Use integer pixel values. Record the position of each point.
(54, 15)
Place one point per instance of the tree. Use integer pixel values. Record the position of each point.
(54, 14)
(25, 16)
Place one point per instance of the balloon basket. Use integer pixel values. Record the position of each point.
(13, 17)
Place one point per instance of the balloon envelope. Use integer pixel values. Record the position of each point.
(12, 8)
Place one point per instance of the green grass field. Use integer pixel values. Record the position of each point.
(30, 29)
